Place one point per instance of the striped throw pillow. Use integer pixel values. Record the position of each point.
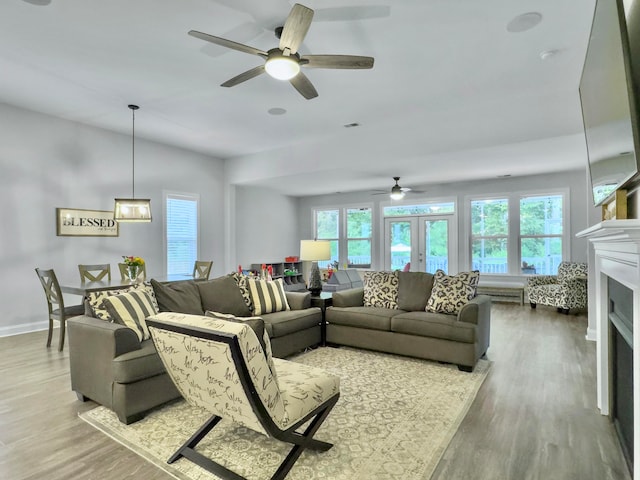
(267, 296)
(131, 310)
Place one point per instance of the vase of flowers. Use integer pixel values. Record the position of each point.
(134, 265)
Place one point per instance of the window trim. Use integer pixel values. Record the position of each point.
(166, 194)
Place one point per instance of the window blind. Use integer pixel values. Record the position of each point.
(182, 234)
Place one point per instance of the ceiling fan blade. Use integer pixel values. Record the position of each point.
(296, 27)
(303, 85)
(228, 43)
(244, 76)
(337, 61)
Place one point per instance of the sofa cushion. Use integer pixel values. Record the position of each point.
(178, 297)
(279, 324)
(267, 296)
(243, 285)
(374, 318)
(223, 295)
(414, 290)
(138, 364)
(435, 325)
(451, 292)
(95, 300)
(131, 309)
(381, 289)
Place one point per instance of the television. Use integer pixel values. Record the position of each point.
(608, 96)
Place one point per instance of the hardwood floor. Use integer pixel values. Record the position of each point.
(535, 416)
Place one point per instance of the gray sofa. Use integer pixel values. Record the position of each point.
(112, 367)
(409, 330)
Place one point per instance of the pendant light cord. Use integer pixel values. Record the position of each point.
(133, 152)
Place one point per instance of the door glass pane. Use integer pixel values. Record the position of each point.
(541, 255)
(436, 245)
(400, 241)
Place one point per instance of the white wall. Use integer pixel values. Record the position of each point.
(266, 226)
(573, 180)
(46, 162)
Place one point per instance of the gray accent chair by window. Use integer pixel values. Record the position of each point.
(244, 384)
(566, 290)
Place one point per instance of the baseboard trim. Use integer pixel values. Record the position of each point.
(12, 330)
(591, 334)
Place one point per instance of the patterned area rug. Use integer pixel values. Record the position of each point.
(394, 419)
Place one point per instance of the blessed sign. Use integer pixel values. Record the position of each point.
(87, 223)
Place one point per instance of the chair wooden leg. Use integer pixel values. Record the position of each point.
(50, 332)
(62, 331)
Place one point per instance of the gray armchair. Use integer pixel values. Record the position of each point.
(564, 291)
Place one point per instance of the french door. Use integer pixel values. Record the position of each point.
(420, 243)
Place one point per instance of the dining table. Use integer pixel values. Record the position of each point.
(78, 287)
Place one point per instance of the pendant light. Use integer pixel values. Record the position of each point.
(132, 209)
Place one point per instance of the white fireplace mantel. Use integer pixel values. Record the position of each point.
(617, 255)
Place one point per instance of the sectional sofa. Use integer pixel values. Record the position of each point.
(110, 365)
(115, 365)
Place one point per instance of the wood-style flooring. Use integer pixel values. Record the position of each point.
(535, 416)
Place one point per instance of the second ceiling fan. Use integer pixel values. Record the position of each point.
(284, 62)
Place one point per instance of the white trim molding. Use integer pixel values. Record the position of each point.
(617, 254)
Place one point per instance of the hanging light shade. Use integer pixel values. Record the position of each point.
(132, 209)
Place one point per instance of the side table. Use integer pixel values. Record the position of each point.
(323, 301)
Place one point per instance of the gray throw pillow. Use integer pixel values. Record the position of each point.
(414, 290)
(179, 297)
(222, 294)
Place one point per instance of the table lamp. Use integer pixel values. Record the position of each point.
(313, 251)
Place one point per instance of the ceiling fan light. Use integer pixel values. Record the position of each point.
(396, 193)
(282, 68)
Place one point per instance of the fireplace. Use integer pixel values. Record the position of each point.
(615, 315)
(621, 364)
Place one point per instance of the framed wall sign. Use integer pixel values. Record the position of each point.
(72, 222)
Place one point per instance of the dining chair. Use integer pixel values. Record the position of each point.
(55, 302)
(142, 272)
(95, 273)
(202, 270)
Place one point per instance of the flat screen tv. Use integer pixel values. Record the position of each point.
(608, 89)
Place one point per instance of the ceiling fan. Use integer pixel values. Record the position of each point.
(284, 62)
(397, 192)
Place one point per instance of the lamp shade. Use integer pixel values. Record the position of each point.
(132, 210)
(314, 250)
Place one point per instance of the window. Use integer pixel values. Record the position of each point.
(490, 235)
(328, 228)
(359, 237)
(349, 231)
(422, 209)
(541, 234)
(181, 226)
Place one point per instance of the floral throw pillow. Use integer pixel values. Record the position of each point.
(452, 292)
(381, 289)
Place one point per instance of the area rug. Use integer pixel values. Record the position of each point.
(394, 419)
